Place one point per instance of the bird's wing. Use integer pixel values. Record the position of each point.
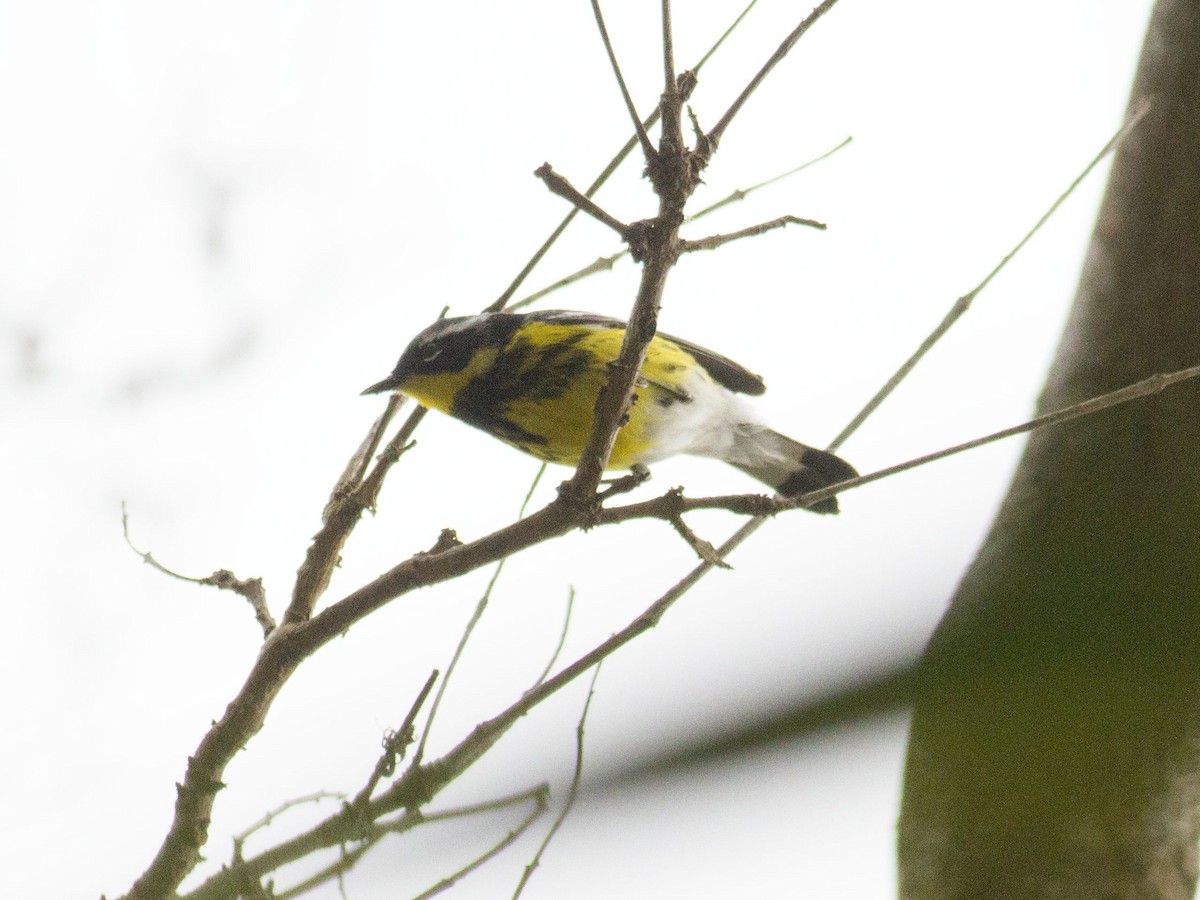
(722, 369)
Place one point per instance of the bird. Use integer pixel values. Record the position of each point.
(531, 380)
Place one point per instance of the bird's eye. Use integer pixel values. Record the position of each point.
(432, 353)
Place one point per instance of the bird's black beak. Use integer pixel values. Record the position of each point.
(390, 383)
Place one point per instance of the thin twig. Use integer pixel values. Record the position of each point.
(563, 188)
(406, 822)
(473, 809)
(718, 130)
(743, 193)
(721, 40)
(1146, 387)
(269, 818)
(467, 631)
(335, 870)
(605, 263)
(450, 880)
(356, 467)
(571, 794)
(395, 743)
(714, 241)
(638, 128)
(345, 507)
(619, 157)
(249, 588)
(963, 303)
(562, 638)
(704, 549)
(668, 49)
(480, 607)
(672, 504)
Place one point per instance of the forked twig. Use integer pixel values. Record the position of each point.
(268, 819)
(605, 263)
(449, 881)
(613, 164)
(409, 820)
(249, 588)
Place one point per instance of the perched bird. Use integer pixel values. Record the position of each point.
(532, 380)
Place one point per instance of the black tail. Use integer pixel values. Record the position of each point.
(790, 467)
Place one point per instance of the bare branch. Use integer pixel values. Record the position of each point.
(563, 188)
(250, 588)
(714, 241)
(638, 128)
(721, 40)
(335, 870)
(468, 630)
(487, 733)
(420, 784)
(621, 155)
(1144, 388)
(718, 130)
(509, 839)
(675, 173)
(743, 193)
(350, 498)
(571, 794)
(395, 743)
(605, 263)
(480, 607)
(705, 550)
(269, 818)
(291, 643)
(406, 822)
(668, 48)
(562, 638)
(356, 468)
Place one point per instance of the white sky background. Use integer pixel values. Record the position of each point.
(219, 222)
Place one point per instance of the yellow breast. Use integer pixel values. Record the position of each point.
(560, 401)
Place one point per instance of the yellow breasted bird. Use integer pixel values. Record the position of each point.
(532, 380)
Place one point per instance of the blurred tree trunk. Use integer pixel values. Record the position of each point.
(1055, 744)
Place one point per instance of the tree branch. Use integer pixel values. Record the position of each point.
(718, 130)
(250, 588)
(712, 242)
(638, 128)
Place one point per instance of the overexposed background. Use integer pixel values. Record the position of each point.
(220, 221)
